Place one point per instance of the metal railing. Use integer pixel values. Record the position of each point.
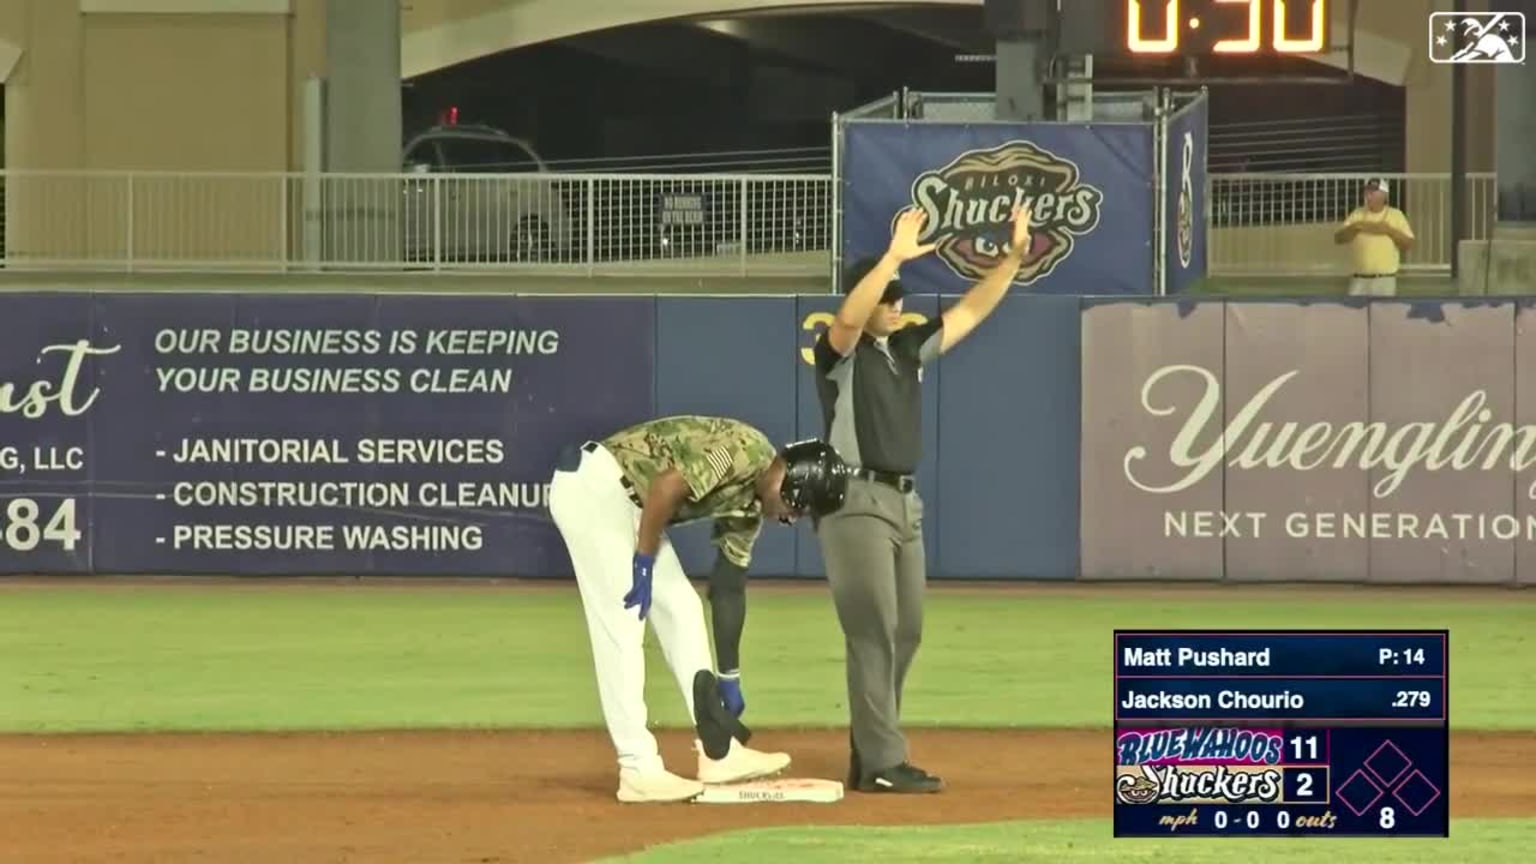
(601, 224)
(1283, 224)
(783, 160)
(577, 223)
(1342, 144)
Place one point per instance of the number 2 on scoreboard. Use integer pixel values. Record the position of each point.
(1411, 699)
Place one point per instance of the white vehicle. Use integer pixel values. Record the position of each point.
(481, 200)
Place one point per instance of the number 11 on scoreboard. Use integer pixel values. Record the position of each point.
(1304, 748)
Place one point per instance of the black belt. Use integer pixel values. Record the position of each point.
(629, 488)
(899, 482)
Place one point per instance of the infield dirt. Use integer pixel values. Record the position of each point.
(494, 797)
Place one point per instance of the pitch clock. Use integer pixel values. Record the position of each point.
(1221, 27)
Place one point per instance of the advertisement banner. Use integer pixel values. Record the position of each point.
(1321, 354)
(1141, 362)
(1287, 441)
(1184, 194)
(1442, 381)
(1525, 419)
(52, 365)
(1090, 187)
(304, 434)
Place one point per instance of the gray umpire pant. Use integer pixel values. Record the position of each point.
(873, 552)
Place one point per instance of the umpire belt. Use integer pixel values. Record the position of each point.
(900, 482)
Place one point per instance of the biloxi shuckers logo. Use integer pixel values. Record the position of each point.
(1199, 784)
(969, 201)
(1209, 745)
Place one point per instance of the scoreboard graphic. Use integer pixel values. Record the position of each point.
(1281, 733)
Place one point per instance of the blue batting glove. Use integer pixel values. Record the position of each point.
(640, 585)
(730, 694)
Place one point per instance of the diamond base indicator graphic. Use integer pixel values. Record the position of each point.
(1388, 782)
(1289, 733)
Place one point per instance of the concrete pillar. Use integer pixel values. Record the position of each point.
(362, 128)
(1514, 123)
(1506, 264)
(1020, 93)
(362, 60)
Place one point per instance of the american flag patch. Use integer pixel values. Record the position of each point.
(720, 461)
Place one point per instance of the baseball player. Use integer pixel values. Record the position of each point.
(613, 501)
(869, 377)
(1378, 234)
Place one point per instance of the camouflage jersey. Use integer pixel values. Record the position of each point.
(720, 460)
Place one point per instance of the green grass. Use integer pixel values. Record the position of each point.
(1063, 842)
(79, 657)
(194, 658)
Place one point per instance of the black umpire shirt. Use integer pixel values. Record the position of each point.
(871, 400)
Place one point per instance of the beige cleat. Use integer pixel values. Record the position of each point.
(660, 786)
(740, 764)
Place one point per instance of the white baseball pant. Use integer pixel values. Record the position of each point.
(599, 521)
(1373, 286)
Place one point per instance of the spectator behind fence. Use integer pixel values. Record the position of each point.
(1378, 234)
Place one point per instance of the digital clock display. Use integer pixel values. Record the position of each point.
(1232, 27)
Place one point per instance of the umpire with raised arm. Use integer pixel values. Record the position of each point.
(869, 378)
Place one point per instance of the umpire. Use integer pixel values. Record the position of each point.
(869, 378)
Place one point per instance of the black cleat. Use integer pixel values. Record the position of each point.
(712, 720)
(903, 779)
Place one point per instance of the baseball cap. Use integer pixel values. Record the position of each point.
(893, 291)
(1378, 183)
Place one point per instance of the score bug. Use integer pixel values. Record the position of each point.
(1231, 27)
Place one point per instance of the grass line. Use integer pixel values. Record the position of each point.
(1484, 841)
(205, 658)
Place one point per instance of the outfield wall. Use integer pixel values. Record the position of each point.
(212, 433)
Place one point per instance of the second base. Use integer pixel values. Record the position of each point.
(796, 790)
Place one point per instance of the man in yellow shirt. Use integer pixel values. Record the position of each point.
(1378, 234)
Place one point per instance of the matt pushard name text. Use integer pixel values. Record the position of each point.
(1216, 658)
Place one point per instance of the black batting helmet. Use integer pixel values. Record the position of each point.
(815, 477)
